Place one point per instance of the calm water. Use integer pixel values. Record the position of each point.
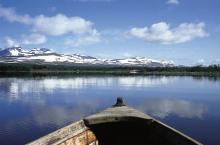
(33, 107)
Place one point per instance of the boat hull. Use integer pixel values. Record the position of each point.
(74, 134)
(118, 125)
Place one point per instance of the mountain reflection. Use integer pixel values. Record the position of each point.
(15, 88)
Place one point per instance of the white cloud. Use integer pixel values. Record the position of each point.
(34, 39)
(10, 15)
(216, 61)
(162, 33)
(175, 2)
(57, 25)
(126, 54)
(10, 42)
(207, 62)
(84, 39)
(61, 24)
(200, 62)
(54, 25)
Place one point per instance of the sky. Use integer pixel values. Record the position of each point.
(185, 31)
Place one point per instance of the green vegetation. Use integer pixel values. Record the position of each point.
(71, 69)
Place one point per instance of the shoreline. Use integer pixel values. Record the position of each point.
(23, 69)
(104, 73)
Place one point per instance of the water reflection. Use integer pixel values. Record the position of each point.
(29, 90)
(164, 107)
(15, 88)
(211, 78)
(42, 105)
(56, 115)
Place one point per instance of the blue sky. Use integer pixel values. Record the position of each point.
(185, 31)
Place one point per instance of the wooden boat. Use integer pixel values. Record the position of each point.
(117, 125)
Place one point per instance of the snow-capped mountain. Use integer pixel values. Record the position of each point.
(36, 51)
(17, 54)
(18, 51)
(141, 61)
(13, 51)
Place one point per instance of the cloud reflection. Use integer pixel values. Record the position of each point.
(45, 115)
(55, 115)
(58, 115)
(162, 108)
(29, 90)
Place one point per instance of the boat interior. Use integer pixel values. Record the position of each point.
(127, 133)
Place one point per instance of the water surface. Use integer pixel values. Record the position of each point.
(33, 107)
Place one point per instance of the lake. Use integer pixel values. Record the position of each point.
(33, 107)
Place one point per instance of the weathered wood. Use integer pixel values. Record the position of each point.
(85, 138)
(116, 114)
(76, 133)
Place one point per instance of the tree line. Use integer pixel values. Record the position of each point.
(28, 67)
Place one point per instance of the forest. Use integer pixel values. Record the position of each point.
(49, 69)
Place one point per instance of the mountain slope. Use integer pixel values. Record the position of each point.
(13, 51)
(17, 54)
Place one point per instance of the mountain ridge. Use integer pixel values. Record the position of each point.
(18, 54)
